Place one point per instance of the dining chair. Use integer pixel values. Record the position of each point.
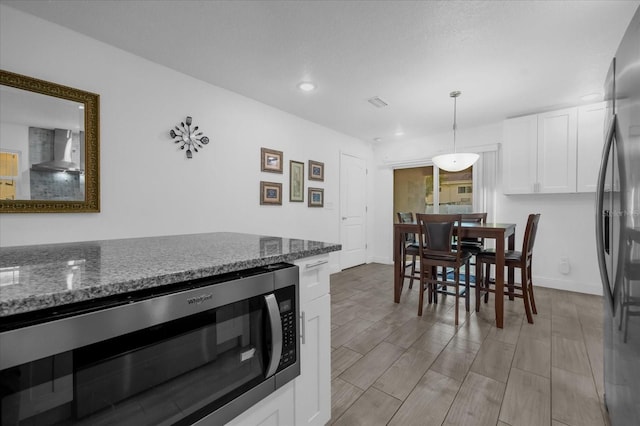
(471, 245)
(512, 259)
(435, 250)
(409, 248)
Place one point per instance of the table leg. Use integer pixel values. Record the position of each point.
(511, 244)
(499, 295)
(397, 265)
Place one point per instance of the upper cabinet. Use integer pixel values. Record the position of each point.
(553, 152)
(590, 143)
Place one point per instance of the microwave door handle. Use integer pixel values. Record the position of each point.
(602, 216)
(275, 324)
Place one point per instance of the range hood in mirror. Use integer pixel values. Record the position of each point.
(62, 149)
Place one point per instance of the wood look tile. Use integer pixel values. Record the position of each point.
(548, 372)
(428, 403)
(402, 376)
(456, 358)
(370, 337)
(343, 394)
(474, 329)
(527, 400)
(477, 403)
(341, 359)
(409, 332)
(372, 408)
(348, 331)
(575, 401)
(533, 356)
(494, 359)
(570, 355)
(435, 338)
(364, 372)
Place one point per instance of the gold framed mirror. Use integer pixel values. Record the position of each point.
(49, 147)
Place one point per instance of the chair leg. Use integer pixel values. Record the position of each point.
(479, 284)
(456, 277)
(421, 298)
(487, 271)
(413, 270)
(467, 287)
(532, 299)
(525, 294)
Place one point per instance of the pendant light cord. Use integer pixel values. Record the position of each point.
(455, 104)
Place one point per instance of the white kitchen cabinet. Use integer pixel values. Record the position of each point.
(313, 386)
(520, 155)
(553, 152)
(276, 409)
(557, 147)
(590, 144)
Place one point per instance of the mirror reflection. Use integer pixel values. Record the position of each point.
(48, 147)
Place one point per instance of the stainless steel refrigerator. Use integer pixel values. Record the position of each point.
(618, 231)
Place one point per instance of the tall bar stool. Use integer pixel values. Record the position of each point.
(435, 248)
(512, 259)
(409, 248)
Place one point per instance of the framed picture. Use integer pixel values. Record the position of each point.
(316, 170)
(271, 193)
(296, 181)
(271, 160)
(316, 197)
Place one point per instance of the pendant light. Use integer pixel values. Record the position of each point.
(457, 160)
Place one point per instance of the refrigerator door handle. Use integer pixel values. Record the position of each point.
(602, 216)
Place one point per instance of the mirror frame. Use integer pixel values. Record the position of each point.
(91, 102)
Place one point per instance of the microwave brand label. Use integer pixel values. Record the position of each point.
(199, 299)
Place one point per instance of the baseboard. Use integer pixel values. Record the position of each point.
(567, 285)
(578, 287)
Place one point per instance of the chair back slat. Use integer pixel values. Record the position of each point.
(407, 217)
(436, 231)
(530, 234)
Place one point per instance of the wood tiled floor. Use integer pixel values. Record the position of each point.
(390, 366)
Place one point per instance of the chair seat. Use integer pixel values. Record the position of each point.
(448, 257)
(412, 249)
(473, 247)
(489, 255)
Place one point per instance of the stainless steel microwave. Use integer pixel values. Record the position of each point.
(198, 352)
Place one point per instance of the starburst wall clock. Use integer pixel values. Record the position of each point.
(190, 138)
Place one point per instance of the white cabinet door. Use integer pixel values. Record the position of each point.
(519, 159)
(314, 277)
(557, 145)
(590, 143)
(275, 410)
(313, 386)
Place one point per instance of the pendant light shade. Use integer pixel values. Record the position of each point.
(457, 160)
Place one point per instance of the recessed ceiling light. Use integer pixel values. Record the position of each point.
(306, 86)
(399, 133)
(377, 139)
(591, 97)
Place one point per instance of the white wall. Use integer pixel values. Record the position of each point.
(567, 224)
(148, 187)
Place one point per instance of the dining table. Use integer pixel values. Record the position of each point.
(496, 231)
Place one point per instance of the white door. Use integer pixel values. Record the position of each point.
(353, 210)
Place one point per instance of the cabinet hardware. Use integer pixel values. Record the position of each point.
(313, 265)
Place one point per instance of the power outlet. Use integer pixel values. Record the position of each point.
(565, 265)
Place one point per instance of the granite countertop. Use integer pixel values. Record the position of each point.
(44, 276)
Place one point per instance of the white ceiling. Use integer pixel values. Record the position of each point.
(507, 57)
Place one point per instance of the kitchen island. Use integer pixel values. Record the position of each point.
(43, 280)
(45, 276)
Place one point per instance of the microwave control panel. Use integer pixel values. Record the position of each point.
(287, 316)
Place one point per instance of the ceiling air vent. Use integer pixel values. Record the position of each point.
(377, 102)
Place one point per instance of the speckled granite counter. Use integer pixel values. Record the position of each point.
(44, 276)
